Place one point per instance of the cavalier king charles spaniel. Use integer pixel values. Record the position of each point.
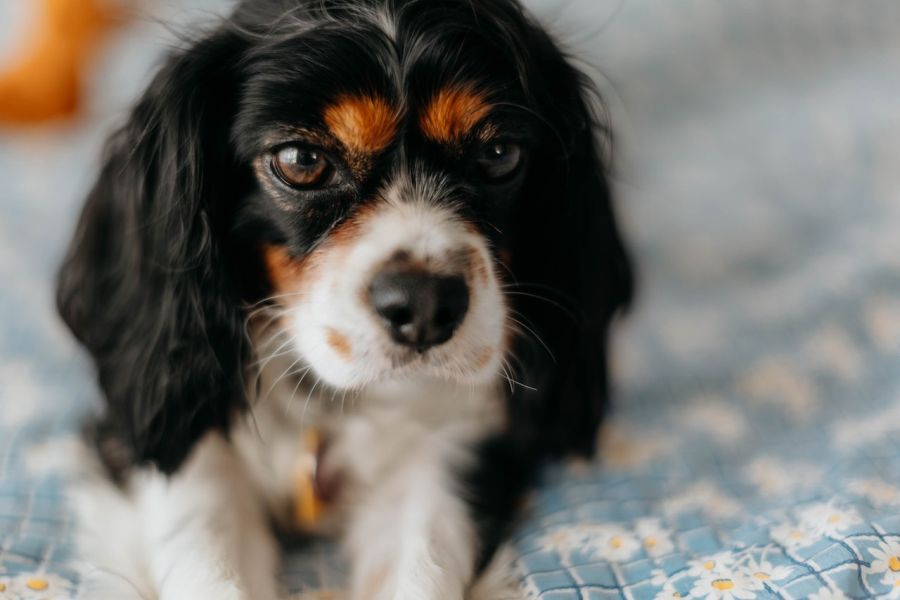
(349, 267)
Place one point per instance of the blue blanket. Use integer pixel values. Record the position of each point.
(755, 447)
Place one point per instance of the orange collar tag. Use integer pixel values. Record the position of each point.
(309, 505)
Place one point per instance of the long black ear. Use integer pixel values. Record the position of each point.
(571, 269)
(145, 285)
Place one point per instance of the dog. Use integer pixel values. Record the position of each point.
(349, 268)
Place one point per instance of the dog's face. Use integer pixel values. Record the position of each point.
(385, 171)
(413, 185)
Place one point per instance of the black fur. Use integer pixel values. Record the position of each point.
(165, 254)
(570, 275)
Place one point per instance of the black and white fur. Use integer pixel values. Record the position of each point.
(210, 376)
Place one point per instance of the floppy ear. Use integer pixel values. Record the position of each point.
(571, 270)
(145, 285)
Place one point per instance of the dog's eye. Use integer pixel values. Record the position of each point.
(499, 159)
(301, 167)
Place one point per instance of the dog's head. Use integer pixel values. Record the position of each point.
(414, 185)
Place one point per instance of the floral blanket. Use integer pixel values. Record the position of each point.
(755, 447)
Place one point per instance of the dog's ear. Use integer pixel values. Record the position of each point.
(571, 271)
(145, 285)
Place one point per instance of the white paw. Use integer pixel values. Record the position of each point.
(500, 580)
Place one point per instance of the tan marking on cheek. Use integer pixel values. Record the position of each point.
(453, 113)
(362, 123)
(477, 265)
(286, 273)
(339, 342)
(484, 357)
(291, 274)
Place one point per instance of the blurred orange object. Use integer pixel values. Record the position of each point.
(45, 81)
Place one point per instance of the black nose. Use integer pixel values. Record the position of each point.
(419, 309)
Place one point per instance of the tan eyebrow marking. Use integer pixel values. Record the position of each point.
(453, 113)
(363, 123)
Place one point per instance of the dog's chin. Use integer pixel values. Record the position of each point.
(401, 366)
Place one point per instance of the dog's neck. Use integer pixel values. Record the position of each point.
(366, 431)
(302, 400)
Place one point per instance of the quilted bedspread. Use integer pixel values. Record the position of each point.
(754, 450)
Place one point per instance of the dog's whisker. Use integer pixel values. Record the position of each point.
(507, 374)
(303, 374)
(270, 300)
(262, 331)
(558, 305)
(504, 371)
(278, 352)
(278, 380)
(251, 318)
(308, 398)
(531, 332)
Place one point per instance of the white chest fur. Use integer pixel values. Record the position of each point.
(372, 435)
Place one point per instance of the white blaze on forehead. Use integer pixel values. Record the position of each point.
(417, 217)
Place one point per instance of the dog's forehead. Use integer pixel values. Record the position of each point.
(365, 83)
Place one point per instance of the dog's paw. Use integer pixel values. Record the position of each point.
(500, 579)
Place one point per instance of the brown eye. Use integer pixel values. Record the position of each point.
(499, 159)
(301, 167)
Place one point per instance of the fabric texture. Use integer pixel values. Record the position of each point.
(754, 450)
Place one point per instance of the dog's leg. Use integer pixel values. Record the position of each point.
(201, 533)
(411, 537)
(500, 579)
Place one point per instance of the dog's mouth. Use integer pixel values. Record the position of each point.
(337, 359)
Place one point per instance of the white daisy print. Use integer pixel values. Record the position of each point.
(710, 565)
(883, 321)
(22, 396)
(41, 586)
(893, 590)
(828, 519)
(793, 536)
(704, 496)
(668, 593)
(6, 589)
(614, 544)
(887, 561)
(777, 381)
(723, 586)
(877, 491)
(852, 433)
(828, 594)
(656, 539)
(715, 418)
(58, 455)
(773, 477)
(834, 350)
(760, 572)
(565, 539)
(625, 448)
(659, 578)
(608, 542)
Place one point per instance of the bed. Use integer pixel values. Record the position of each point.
(754, 449)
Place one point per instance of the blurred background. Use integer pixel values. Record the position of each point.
(757, 171)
